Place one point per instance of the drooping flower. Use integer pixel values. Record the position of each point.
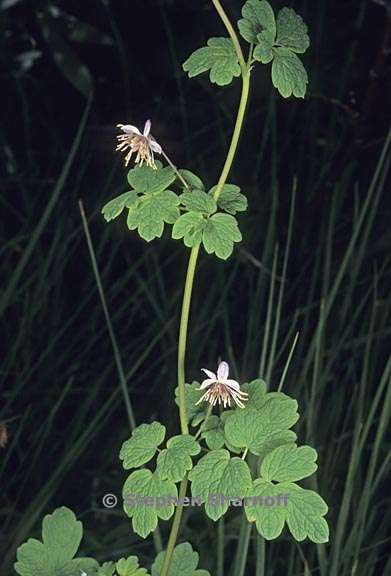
(220, 389)
(142, 143)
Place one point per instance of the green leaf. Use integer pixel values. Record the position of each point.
(219, 57)
(292, 31)
(257, 15)
(192, 179)
(198, 201)
(305, 513)
(142, 445)
(275, 504)
(107, 569)
(175, 460)
(152, 212)
(54, 556)
(230, 200)
(213, 432)
(256, 390)
(263, 51)
(189, 226)
(147, 180)
(266, 508)
(281, 439)
(288, 73)
(289, 463)
(254, 428)
(219, 235)
(184, 562)
(218, 477)
(194, 411)
(130, 567)
(146, 498)
(114, 207)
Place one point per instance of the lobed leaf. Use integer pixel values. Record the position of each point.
(257, 15)
(289, 463)
(190, 227)
(198, 201)
(152, 212)
(54, 556)
(193, 181)
(218, 475)
(219, 235)
(271, 505)
(292, 31)
(130, 567)
(231, 200)
(184, 562)
(174, 461)
(288, 73)
(161, 494)
(145, 179)
(219, 57)
(114, 207)
(254, 429)
(142, 445)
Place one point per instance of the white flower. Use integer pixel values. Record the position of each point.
(144, 144)
(219, 388)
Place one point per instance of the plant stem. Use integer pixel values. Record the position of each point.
(235, 135)
(232, 33)
(174, 529)
(191, 271)
(183, 337)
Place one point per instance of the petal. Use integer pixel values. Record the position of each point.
(155, 146)
(209, 373)
(129, 129)
(207, 382)
(147, 128)
(222, 371)
(232, 384)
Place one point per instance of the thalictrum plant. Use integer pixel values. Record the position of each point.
(245, 453)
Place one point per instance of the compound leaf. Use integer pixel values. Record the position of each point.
(142, 445)
(271, 505)
(195, 412)
(130, 567)
(146, 498)
(257, 15)
(219, 235)
(189, 226)
(254, 428)
(292, 31)
(288, 73)
(218, 477)
(54, 556)
(289, 463)
(152, 212)
(191, 179)
(184, 562)
(231, 200)
(145, 179)
(213, 432)
(219, 57)
(114, 207)
(198, 201)
(175, 460)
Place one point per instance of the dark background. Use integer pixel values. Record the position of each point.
(60, 397)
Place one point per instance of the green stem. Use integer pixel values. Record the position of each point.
(191, 271)
(220, 547)
(183, 337)
(174, 529)
(232, 33)
(236, 134)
